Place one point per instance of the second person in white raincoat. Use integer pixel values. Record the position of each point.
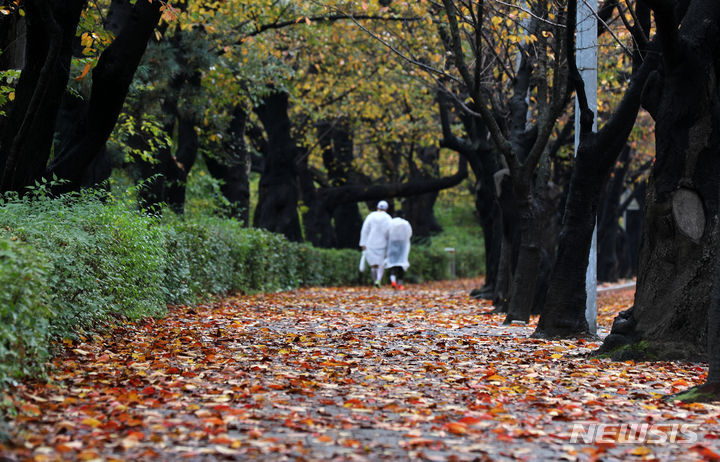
(399, 235)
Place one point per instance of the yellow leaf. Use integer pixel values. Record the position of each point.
(91, 422)
(641, 451)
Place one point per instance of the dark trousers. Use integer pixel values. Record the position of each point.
(398, 271)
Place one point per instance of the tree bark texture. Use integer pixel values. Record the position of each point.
(483, 161)
(522, 294)
(26, 134)
(111, 80)
(166, 178)
(278, 190)
(337, 142)
(680, 237)
(488, 213)
(564, 313)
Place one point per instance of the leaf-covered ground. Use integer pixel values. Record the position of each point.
(351, 374)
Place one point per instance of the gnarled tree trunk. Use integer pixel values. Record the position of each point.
(680, 237)
(111, 81)
(26, 134)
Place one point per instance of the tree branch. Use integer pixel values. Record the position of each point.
(586, 115)
(329, 18)
(360, 193)
(501, 142)
(449, 140)
(618, 126)
(667, 28)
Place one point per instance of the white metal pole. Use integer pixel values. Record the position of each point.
(586, 59)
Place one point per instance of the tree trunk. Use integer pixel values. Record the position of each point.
(501, 294)
(488, 213)
(26, 134)
(111, 81)
(347, 222)
(166, 179)
(564, 313)
(523, 291)
(317, 217)
(13, 36)
(633, 232)
(566, 294)
(680, 238)
(233, 168)
(510, 229)
(278, 190)
(336, 140)
(419, 210)
(181, 163)
(710, 390)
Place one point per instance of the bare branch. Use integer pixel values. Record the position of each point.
(546, 21)
(500, 141)
(330, 18)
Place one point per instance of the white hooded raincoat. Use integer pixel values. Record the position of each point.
(374, 236)
(398, 249)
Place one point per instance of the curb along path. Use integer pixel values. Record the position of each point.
(347, 374)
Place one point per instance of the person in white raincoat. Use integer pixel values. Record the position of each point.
(399, 235)
(374, 240)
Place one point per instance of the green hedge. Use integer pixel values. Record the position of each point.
(72, 265)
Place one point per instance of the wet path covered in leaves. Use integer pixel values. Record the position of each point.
(353, 374)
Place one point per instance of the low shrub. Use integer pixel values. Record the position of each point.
(73, 264)
(105, 259)
(24, 311)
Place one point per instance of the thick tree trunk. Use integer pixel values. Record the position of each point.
(565, 310)
(680, 238)
(182, 162)
(488, 213)
(633, 232)
(669, 317)
(710, 390)
(111, 80)
(564, 313)
(336, 140)
(501, 294)
(278, 190)
(510, 229)
(713, 333)
(26, 134)
(523, 291)
(418, 210)
(317, 217)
